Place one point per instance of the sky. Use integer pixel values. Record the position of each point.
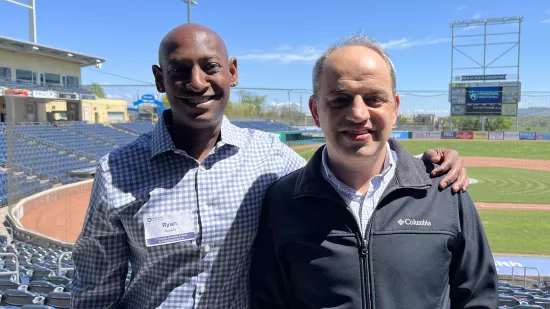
(277, 42)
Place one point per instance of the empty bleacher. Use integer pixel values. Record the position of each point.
(517, 296)
(100, 132)
(135, 127)
(33, 86)
(44, 162)
(261, 125)
(19, 185)
(64, 140)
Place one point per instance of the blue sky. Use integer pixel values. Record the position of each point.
(276, 42)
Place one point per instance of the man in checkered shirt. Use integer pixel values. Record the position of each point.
(181, 204)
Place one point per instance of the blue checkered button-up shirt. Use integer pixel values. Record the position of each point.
(150, 177)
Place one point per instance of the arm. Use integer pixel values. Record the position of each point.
(473, 275)
(451, 164)
(100, 254)
(267, 279)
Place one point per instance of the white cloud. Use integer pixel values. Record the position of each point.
(470, 28)
(546, 21)
(286, 54)
(460, 8)
(406, 43)
(476, 16)
(289, 54)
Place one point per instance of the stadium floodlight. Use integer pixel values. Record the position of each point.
(189, 3)
(466, 23)
(32, 17)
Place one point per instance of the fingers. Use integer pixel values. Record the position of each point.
(463, 180)
(450, 179)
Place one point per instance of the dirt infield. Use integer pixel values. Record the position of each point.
(63, 218)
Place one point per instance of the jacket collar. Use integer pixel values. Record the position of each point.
(410, 173)
(162, 141)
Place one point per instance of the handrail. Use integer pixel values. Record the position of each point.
(525, 274)
(61, 269)
(16, 272)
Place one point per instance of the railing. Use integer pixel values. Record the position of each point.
(60, 268)
(525, 275)
(16, 272)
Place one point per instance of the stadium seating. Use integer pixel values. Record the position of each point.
(32, 86)
(135, 127)
(519, 297)
(19, 186)
(64, 140)
(100, 131)
(44, 162)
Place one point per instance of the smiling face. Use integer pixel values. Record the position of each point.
(356, 106)
(196, 75)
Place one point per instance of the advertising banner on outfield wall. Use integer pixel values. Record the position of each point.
(400, 134)
(528, 135)
(465, 135)
(481, 135)
(419, 135)
(449, 135)
(511, 136)
(496, 135)
(433, 135)
(545, 135)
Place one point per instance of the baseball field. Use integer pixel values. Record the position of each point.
(511, 192)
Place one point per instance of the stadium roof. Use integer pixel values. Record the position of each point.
(42, 50)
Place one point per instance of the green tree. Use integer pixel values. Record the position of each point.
(402, 119)
(96, 89)
(499, 123)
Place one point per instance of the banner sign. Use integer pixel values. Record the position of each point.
(16, 92)
(482, 77)
(399, 135)
(481, 135)
(511, 136)
(433, 135)
(465, 135)
(88, 97)
(49, 94)
(449, 135)
(497, 135)
(539, 136)
(419, 135)
(69, 96)
(528, 135)
(545, 135)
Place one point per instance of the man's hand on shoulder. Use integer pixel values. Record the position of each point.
(450, 163)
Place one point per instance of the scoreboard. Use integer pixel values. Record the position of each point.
(485, 99)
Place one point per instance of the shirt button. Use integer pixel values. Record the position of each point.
(205, 207)
(203, 290)
(206, 248)
(202, 168)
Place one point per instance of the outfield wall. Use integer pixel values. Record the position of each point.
(17, 211)
(472, 135)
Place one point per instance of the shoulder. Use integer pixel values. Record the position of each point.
(126, 157)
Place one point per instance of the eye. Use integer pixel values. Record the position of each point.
(212, 67)
(339, 101)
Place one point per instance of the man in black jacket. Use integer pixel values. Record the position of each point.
(363, 224)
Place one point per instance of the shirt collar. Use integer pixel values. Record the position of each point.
(162, 141)
(389, 162)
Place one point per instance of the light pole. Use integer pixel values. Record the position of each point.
(32, 17)
(189, 3)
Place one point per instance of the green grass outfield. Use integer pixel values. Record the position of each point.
(517, 231)
(509, 185)
(467, 148)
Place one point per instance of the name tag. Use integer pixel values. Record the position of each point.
(168, 228)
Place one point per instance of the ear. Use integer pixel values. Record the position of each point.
(313, 109)
(159, 78)
(234, 72)
(397, 101)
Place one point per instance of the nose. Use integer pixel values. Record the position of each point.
(197, 81)
(358, 111)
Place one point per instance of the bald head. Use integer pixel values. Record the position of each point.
(190, 34)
